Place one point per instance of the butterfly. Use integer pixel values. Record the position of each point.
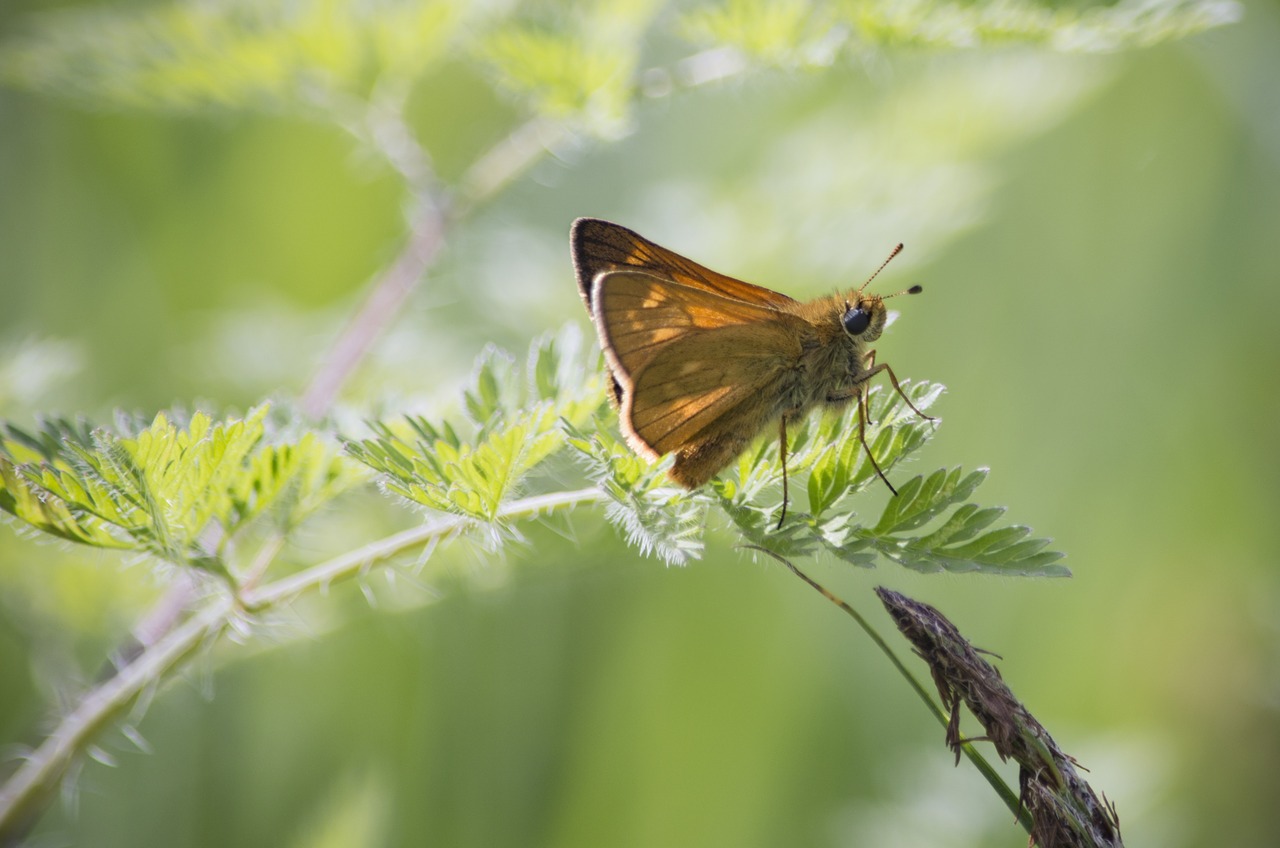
(702, 363)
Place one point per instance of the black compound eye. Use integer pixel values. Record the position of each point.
(856, 321)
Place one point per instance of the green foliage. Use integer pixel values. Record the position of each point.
(790, 34)
(655, 515)
(778, 34)
(837, 468)
(564, 74)
(474, 463)
(161, 488)
(231, 53)
(1095, 28)
(958, 543)
(515, 418)
(577, 62)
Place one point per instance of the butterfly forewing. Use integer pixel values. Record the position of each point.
(685, 357)
(600, 246)
(637, 314)
(698, 385)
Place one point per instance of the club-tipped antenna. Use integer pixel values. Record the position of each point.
(916, 289)
(887, 260)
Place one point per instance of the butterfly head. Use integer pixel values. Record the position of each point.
(864, 317)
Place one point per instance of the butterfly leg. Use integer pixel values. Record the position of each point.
(893, 378)
(863, 414)
(871, 369)
(782, 452)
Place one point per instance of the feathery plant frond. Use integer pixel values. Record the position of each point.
(286, 483)
(787, 35)
(931, 525)
(1072, 29)
(158, 488)
(773, 34)
(656, 516)
(230, 53)
(578, 65)
(958, 543)
(513, 419)
(830, 454)
(472, 464)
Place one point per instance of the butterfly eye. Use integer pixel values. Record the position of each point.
(856, 321)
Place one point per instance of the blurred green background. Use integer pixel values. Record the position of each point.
(1098, 236)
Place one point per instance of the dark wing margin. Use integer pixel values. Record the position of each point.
(599, 246)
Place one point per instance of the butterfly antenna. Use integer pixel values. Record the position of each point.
(889, 259)
(916, 289)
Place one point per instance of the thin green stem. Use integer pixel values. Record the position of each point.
(29, 790)
(24, 796)
(353, 562)
(988, 771)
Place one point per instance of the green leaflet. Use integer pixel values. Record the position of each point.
(657, 516)
(473, 465)
(238, 54)
(959, 543)
(789, 35)
(931, 525)
(160, 487)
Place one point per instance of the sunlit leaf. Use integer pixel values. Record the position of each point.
(230, 53)
(514, 423)
(161, 487)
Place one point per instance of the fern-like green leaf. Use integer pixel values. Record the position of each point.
(782, 34)
(921, 499)
(826, 459)
(231, 53)
(772, 33)
(1086, 28)
(929, 525)
(959, 543)
(156, 491)
(21, 499)
(513, 425)
(829, 464)
(658, 517)
(159, 488)
(290, 481)
(579, 67)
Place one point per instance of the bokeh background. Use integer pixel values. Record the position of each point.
(1098, 235)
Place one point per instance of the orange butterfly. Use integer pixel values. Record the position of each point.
(703, 363)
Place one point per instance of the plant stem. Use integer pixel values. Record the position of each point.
(350, 564)
(1002, 789)
(25, 795)
(29, 790)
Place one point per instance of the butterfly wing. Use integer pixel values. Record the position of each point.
(599, 246)
(690, 363)
(704, 385)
